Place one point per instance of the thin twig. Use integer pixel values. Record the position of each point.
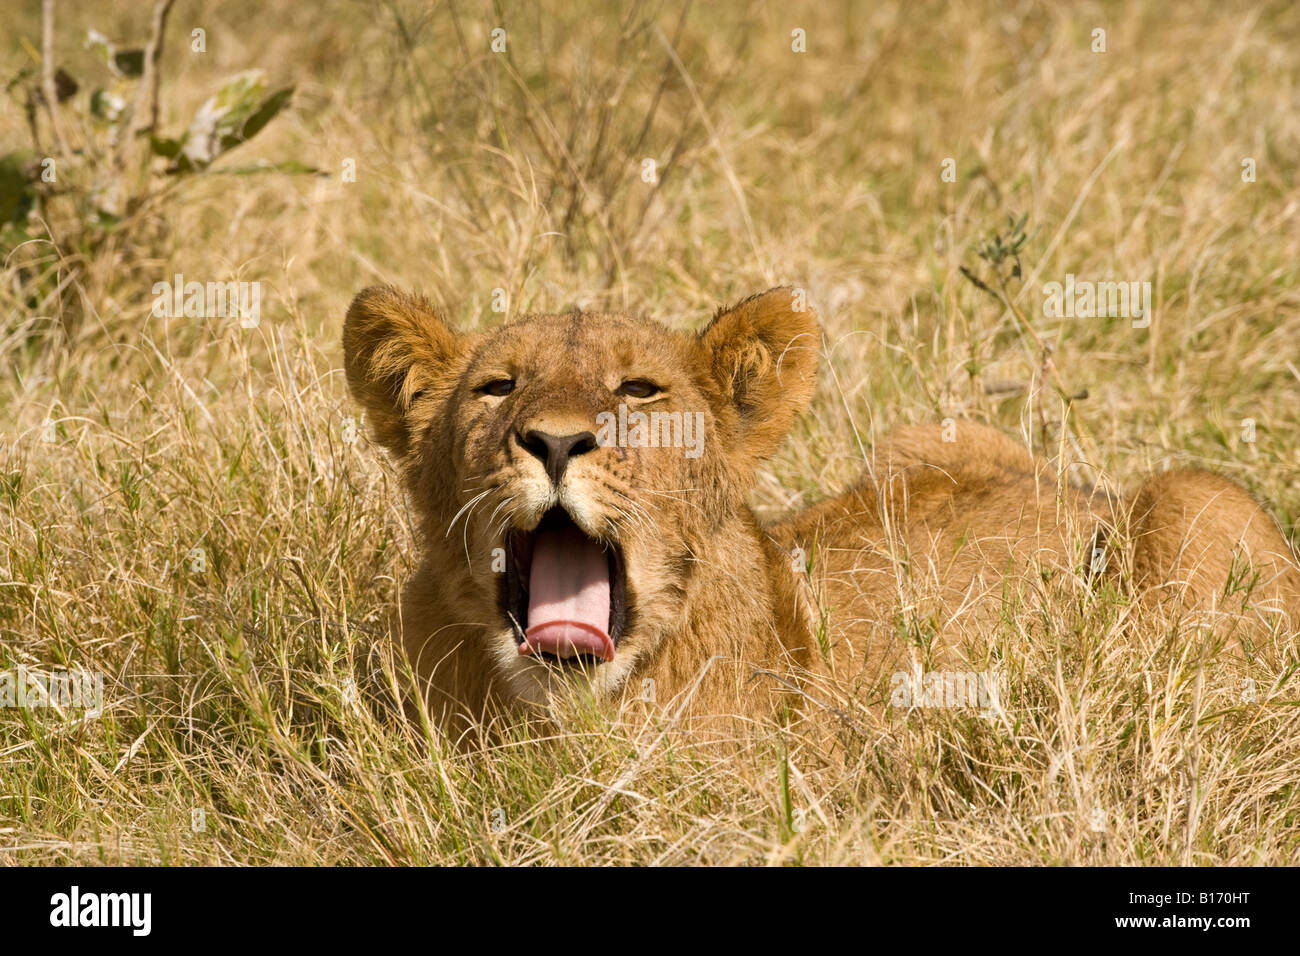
(48, 87)
(149, 83)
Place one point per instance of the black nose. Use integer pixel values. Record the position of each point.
(554, 451)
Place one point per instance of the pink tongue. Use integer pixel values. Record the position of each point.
(568, 597)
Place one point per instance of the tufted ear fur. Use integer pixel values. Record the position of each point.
(763, 355)
(397, 348)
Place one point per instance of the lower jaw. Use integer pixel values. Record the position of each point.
(532, 680)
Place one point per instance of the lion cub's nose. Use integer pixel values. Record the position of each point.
(554, 451)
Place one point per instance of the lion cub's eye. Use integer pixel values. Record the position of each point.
(498, 387)
(639, 388)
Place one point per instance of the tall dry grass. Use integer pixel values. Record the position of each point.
(261, 691)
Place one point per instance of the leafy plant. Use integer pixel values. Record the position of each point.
(97, 163)
(1001, 253)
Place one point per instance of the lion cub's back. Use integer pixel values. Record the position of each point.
(935, 539)
(927, 486)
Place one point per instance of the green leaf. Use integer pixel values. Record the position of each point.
(65, 86)
(107, 105)
(167, 148)
(101, 45)
(19, 78)
(129, 62)
(17, 186)
(234, 115)
(266, 112)
(119, 62)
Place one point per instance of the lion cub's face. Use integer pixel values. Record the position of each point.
(572, 470)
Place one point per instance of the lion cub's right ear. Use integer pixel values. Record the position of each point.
(397, 348)
(763, 353)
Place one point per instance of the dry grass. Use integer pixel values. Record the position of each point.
(227, 690)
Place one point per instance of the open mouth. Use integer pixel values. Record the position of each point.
(565, 593)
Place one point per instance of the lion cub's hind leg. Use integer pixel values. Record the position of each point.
(1203, 541)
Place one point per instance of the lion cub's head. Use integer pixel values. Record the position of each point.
(573, 473)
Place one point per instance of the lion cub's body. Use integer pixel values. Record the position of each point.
(721, 615)
(950, 531)
(932, 540)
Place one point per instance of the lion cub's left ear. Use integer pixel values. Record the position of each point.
(763, 354)
(396, 347)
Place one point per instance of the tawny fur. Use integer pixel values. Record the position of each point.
(943, 529)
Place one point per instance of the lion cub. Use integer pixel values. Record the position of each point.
(581, 486)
